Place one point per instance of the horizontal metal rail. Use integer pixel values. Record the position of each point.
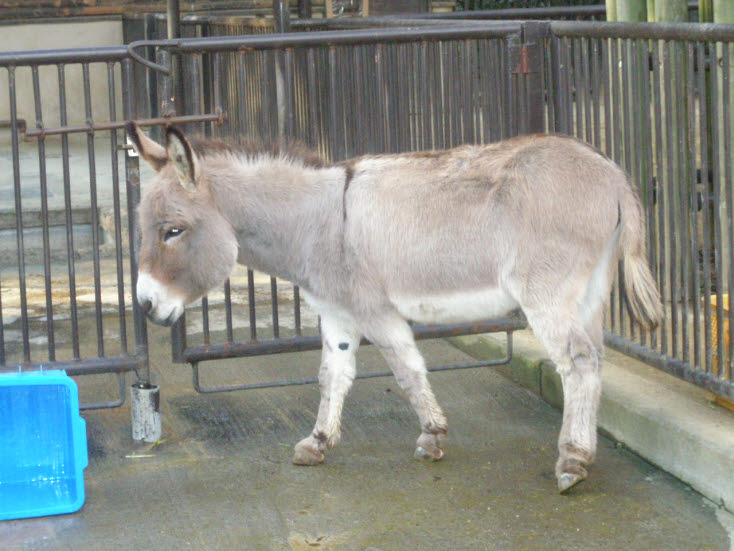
(370, 375)
(674, 366)
(217, 118)
(654, 31)
(202, 353)
(321, 39)
(60, 57)
(89, 366)
(559, 12)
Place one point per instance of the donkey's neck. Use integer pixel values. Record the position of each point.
(287, 216)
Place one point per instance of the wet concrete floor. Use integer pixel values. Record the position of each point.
(222, 477)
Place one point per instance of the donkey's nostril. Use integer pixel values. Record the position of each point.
(146, 305)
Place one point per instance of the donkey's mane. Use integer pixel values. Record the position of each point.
(251, 149)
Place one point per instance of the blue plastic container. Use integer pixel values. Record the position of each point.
(43, 445)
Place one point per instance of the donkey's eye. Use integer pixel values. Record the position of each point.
(173, 232)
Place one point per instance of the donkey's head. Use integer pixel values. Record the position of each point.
(187, 247)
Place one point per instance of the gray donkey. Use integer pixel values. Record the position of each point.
(535, 222)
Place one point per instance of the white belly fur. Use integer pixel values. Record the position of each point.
(456, 307)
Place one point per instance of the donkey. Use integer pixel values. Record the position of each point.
(536, 222)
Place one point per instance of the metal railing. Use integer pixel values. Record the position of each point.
(656, 98)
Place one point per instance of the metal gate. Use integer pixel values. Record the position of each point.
(344, 93)
(428, 85)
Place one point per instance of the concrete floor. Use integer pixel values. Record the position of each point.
(222, 477)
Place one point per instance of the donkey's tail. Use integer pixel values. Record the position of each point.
(643, 297)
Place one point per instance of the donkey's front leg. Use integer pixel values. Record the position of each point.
(393, 336)
(340, 340)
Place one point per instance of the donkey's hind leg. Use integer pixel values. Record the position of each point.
(578, 361)
(393, 336)
(338, 368)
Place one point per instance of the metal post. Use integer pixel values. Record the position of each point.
(526, 56)
(173, 15)
(282, 16)
(304, 9)
(144, 396)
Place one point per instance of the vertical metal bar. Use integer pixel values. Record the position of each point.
(70, 253)
(729, 187)
(315, 136)
(274, 304)
(25, 331)
(660, 183)
(439, 78)
(228, 310)
(95, 210)
(268, 88)
(716, 223)
(578, 87)
(687, 167)
(297, 309)
(282, 16)
(205, 320)
(338, 149)
(132, 171)
(647, 179)
(304, 9)
(173, 18)
(242, 96)
(586, 88)
(467, 91)
(607, 86)
(670, 193)
(566, 79)
(499, 112)
(359, 113)
(251, 304)
(116, 208)
(44, 217)
(706, 168)
(596, 82)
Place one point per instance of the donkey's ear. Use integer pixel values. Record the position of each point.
(153, 152)
(183, 158)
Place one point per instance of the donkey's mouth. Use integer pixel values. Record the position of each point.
(165, 321)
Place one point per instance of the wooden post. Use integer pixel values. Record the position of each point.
(631, 10)
(671, 11)
(611, 10)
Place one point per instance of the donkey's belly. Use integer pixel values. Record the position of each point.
(455, 307)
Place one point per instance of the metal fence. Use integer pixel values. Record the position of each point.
(656, 98)
(60, 178)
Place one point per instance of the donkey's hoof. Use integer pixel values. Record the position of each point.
(307, 454)
(424, 455)
(568, 480)
(428, 447)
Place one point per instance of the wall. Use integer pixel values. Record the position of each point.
(43, 36)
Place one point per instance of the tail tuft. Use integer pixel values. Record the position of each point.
(642, 295)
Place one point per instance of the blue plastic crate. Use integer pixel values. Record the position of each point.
(43, 445)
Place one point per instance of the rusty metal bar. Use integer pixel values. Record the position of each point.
(196, 354)
(217, 118)
(370, 375)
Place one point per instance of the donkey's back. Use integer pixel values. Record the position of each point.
(475, 231)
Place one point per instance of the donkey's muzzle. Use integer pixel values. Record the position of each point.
(146, 305)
